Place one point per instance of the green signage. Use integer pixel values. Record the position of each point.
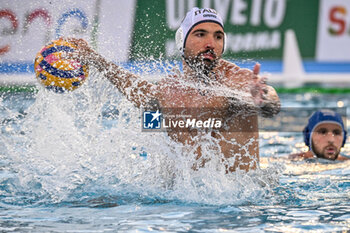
(254, 28)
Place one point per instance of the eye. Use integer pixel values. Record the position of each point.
(199, 34)
(322, 131)
(337, 132)
(219, 36)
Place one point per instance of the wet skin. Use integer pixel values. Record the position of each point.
(327, 140)
(237, 146)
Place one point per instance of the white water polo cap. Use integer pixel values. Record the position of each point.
(193, 18)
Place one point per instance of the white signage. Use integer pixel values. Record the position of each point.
(26, 26)
(333, 37)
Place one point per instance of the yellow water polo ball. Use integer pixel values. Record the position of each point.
(57, 73)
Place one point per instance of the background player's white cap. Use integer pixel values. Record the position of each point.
(194, 17)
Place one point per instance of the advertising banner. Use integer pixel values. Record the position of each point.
(255, 28)
(333, 38)
(26, 26)
(144, 30)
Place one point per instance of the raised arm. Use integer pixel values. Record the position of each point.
(140, 92)
(261, 98)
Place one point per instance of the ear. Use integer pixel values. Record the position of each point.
(179, 39)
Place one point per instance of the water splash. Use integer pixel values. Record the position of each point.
(86, 146)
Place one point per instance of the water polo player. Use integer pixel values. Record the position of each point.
(207, 82)
(325, 135)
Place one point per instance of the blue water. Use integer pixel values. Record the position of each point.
(76, 163)
(271, 66)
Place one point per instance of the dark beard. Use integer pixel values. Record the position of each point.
(201, 66)
(322, 156)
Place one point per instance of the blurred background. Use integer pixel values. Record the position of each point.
(302, 45)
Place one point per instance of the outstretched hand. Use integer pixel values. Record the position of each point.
(83, 52)
(264, 96)
(258, 87)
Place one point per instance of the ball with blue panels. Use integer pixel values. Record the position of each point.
(57, 73)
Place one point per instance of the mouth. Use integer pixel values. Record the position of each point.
(203, 61)
(330, 150)
(208, 55)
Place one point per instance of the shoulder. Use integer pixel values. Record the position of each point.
(342, 158)
(224, 65)
(301, 155)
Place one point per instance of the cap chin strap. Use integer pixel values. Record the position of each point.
(179, 40)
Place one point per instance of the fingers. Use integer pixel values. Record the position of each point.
(263, 80)
(74, 55)
(78, 43)
(251, 77)
(259, 89)
(265, 90)
(256, 69)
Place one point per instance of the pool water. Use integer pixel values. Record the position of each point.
(77, 162)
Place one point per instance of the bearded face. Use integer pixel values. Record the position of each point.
(204, 47)
(327, 140)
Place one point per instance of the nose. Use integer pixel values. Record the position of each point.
(210, 43)
(330, 136)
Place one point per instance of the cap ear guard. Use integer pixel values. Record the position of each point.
(306, 133)
(344, 137)
(225, 39)
(179, 40)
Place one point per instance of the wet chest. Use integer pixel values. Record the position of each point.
(192, 98)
